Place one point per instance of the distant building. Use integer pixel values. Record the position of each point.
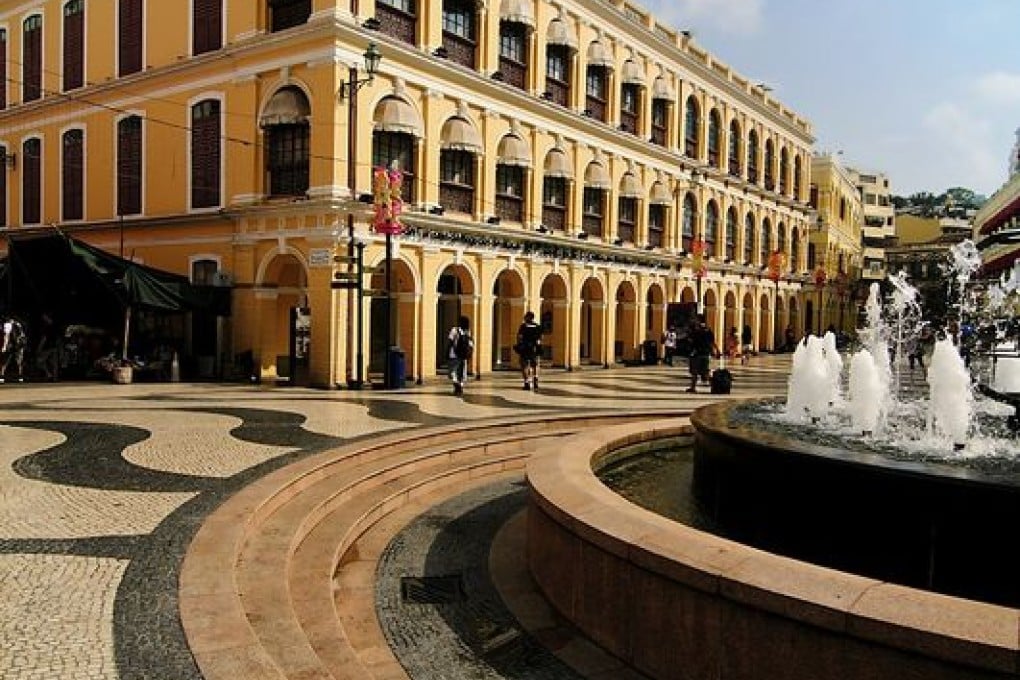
(997, 228)
(879, 227)
(834, 246)
(921, 249)
(1014, 156)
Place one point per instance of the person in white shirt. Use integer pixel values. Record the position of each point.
(460, 348)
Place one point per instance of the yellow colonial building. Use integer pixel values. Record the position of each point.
(562, 157)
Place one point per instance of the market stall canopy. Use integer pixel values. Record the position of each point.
(77, 282)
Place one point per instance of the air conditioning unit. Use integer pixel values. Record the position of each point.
(222, 279)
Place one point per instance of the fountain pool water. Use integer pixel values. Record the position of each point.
(905, 476)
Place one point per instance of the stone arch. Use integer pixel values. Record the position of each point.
(655, 311)
(282, 299)
(554, 305)
(508, 308)
(401, 331)
(626, 343)
(456, 287)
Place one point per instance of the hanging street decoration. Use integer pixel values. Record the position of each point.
(698, 258)
(775, 261)
(386, 185)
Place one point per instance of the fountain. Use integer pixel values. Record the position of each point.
(902, 478)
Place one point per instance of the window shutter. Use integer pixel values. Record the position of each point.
(74, 46)
(205, 154)
(73, 174)
(3, 68)
(31, 191)
(131, 23)
(129, 166)
(207, 27)
(32, 66)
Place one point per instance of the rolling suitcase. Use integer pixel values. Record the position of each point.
(722, 380)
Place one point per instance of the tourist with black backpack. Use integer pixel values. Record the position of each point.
(460, 348)
(529, 348)
(703, 348)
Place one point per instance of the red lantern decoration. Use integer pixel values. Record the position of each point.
(698, 259)
(820, 276)
(776, 260)
(386, 186)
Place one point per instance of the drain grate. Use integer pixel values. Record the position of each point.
(432, 589)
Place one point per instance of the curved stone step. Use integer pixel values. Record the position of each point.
(256, 584)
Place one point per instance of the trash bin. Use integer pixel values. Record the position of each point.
(650, 352)
(395, 364)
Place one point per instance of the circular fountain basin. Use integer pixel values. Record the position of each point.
(945, 528)
(672, 601)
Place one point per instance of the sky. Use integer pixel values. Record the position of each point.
(926, 91)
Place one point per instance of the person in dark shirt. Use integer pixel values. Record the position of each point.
(529, 347)
(703, 347)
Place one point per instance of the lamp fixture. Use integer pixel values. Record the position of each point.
(371, 24)
(440, 52)
(366, 198)
(618, 242)
(436, 210)
(583, 235)
(542, 229)
(547, 95)
(494, 219)
(649, 246)
(498, 76)
(373, 57)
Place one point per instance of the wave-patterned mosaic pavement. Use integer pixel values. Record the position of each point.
(103, 486)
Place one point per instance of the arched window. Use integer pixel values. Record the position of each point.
(794, 250)
(749, 239)
(765, 244)
(596, 92)
(781, 239)
(730, 250)
(711, 227)
(733, 151)
(752, 156)
(692, 124)
(396, 149)
(459, 145)
(559, 166)
(398, 18)
(784, 170)
(72, 175)
(74, 44)
(460, 31)
(513, 53)
(797, 177)
(285, 123)
(714, 137)
(3, 68)
(129, 166)
(31, 181)
(559, 51)
(131, 22)
(627, 218)
(284, 14)
(31, 60)
(206, 26)
(205, 154)
(690, 217)
(769, 162)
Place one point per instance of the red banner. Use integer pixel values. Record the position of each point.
(698, 258)
(776, 260)
(386, 185)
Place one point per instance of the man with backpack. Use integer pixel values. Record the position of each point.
(529, 347)
(703, 348)
(460, 349)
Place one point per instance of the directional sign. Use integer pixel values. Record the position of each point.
(343, 285)
(345, 259)
(373, 292)
(345, 276)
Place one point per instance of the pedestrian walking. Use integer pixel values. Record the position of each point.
(703, 347)
(746, 344)
(669, 341)
(460, 349)
(12, 348)
(529, 348)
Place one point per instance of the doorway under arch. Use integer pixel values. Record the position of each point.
(593, 322)
(553, 315)
(507, 314)
(455, 291)
(626, 342)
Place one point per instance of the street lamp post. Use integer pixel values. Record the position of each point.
(349, 91)
(820, 285)
(776, 273)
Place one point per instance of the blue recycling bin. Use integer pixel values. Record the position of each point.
(397, 368)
